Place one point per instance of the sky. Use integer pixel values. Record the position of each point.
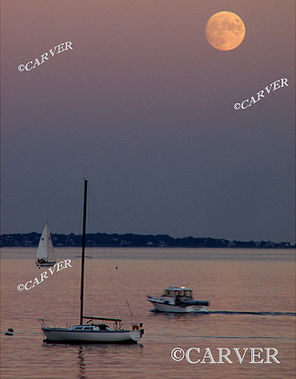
(143, 107)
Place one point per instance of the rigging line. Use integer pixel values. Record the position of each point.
(64, 254)
(137, 265)
(112, 283)
(125, 293)
(75, 227)
(75, 278)
(93, 213)
(49, 302)
(90, 285)
(121, 284)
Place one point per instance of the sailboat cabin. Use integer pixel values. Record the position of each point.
(89, 328)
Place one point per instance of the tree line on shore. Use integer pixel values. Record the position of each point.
(133, 240)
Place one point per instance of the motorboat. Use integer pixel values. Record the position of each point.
(178, 300)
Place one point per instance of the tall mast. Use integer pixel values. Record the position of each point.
(83, 251)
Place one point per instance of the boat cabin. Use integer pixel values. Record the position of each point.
(178, 292)
(42, 260)
(89, 328)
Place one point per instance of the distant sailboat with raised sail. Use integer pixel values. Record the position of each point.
(45, 253)
(92, 331)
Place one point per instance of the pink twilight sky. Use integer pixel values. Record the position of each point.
(143, 107)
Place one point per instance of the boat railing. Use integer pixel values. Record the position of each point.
(117, 321)
(45, 322)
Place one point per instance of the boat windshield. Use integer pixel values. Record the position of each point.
(178, 293)
(184, 293)
(169, 293)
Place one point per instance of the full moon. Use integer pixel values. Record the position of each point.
(225, 31)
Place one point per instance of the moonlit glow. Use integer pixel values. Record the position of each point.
(225, 31)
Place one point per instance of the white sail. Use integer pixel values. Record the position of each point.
(45, 248)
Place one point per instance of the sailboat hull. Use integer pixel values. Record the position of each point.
(45, 264)
(64, 335)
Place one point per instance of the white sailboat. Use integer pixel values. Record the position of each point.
(91, 331)
(45, 253)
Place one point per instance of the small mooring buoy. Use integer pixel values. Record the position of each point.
(10, 332)
(116, 267)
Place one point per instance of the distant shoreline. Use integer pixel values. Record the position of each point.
(135, 240)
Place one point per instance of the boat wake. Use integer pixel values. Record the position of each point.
(261, 313)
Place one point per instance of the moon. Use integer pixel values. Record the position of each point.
(225, 30)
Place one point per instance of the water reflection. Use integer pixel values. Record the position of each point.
(81, 363)
(240, 285)
(177, 316)
(109, 351)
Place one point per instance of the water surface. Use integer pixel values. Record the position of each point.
(252, 304)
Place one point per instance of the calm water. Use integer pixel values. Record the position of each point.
(232, 280)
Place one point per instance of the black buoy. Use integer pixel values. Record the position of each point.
(10, 332)
(116, 267)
